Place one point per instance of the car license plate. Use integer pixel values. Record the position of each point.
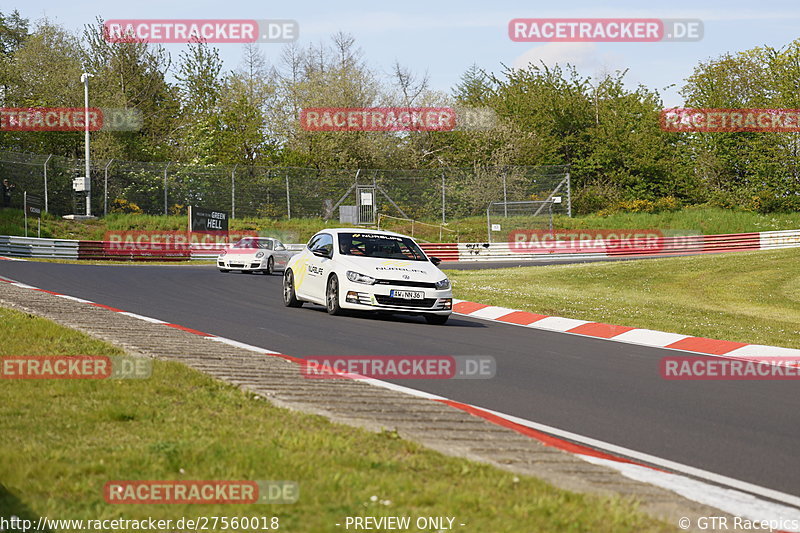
(407, 295)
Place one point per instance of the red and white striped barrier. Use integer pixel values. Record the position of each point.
(12, 246)
(667, 245)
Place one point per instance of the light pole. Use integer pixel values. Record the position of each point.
(85, 79)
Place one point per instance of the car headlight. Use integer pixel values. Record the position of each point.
(443, 285)
(259, 255)
(360, 278)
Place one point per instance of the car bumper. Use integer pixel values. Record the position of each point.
(372, 298)
(242, 264)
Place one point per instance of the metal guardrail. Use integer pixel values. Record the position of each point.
(42, 248)
(12, 246)
(204, 253)
(689, 244)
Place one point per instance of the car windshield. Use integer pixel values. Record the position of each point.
(253, 243)
(379, 246)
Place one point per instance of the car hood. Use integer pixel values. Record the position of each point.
(244, 251)
(394, 269)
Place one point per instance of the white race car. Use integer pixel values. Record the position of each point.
(254, 254)
(368, 270)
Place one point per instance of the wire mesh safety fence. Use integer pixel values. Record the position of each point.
(436, 195)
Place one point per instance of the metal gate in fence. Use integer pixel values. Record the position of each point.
(367, 208)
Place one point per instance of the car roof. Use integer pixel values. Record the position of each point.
(361, 230)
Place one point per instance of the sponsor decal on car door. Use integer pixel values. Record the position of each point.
(317, 268)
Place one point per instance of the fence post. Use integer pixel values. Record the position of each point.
(233, 191)
(569, 196)
(488, 225)
(443, 204)
(45, 181)
(505, 196)
(105, 188)
(25, 210)
(288, 200)
(166, 211)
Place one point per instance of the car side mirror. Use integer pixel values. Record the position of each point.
(321, 253)
(280, 248)
(435, 260)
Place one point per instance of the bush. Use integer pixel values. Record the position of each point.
(667, 203)
(177, 209)
(771, 202)
(121, 205)
(593, 198)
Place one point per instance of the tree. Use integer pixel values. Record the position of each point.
(131, 74)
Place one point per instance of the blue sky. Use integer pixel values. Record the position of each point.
(445, 37)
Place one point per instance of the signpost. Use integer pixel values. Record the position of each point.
(211, 224)
(32, 206)
(207, 220)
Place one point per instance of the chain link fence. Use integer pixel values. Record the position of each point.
(279, 192)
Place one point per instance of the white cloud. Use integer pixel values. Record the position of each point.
(585, 57)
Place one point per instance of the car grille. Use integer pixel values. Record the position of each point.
(400, 283)
(236, 265)
(403, 302)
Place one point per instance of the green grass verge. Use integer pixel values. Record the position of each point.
(749, 297)
(706, 220)
(63, 440)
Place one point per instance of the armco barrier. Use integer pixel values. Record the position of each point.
(204, 253)
(110, 251)
(35, 247)
(671, 245)
(501, 251)
(779, 239)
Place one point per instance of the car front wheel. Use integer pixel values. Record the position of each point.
(289, 296)
(270, 267)
(332, 296)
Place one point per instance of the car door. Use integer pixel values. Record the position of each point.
(319, 265)
(301, 284)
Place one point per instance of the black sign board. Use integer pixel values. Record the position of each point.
(206, 220)
(33, 206)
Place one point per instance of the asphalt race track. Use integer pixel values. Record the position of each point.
(611, 391)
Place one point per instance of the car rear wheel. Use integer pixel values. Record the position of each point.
(289, 296)
(436, 320)
(332, 296)
(270, 267)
